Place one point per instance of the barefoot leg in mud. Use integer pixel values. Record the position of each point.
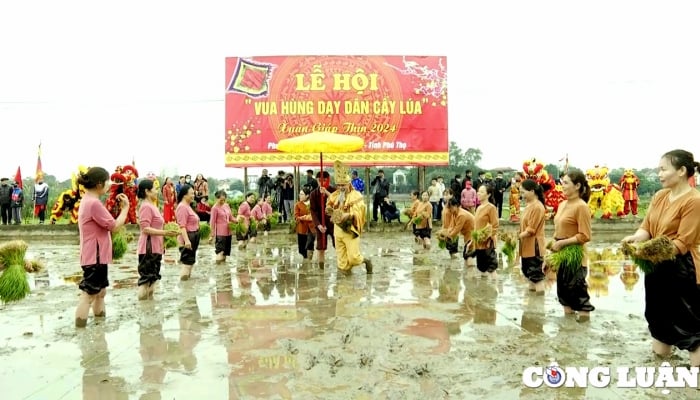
(83, 309)
(98, 306)
(662, 349)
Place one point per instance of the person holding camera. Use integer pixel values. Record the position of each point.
(389, 210)
(380, 188)
(288, 198)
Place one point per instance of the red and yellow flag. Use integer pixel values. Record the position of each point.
(39, 171)
(18, 178)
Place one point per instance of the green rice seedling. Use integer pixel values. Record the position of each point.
(13, 283)
(13, 252)
(119, 244)
(570, 256)
(171, 241)
(204, 230)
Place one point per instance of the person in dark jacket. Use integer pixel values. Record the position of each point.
(266, 185)
(500, 185)
(5, 201)
(389, 210)
(380, 187)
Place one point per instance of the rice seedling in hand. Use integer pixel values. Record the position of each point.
(483, 234)
(570, 256)
(119, 244)
(204, 230)
(649, 253)
(171, 241)
(510, 244)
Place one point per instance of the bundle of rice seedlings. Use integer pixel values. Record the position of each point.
(33, 266)
(647, 254)
(570, 256)
(418, 220)
(13, 284)
(204, 230)
(13, 281)
(237, 228)
(443, 241)
(171, 241)
(483, 234)
(13, 252)
(119, 244)
(274, 219)
(657, 250)
(510, 244)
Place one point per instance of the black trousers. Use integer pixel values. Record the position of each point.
(6, 213)
(375, 206)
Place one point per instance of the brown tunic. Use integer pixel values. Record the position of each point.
(573, 219)
(424, 210)
(532, 222)
(461, 223)
(486, 214)
(678, 220)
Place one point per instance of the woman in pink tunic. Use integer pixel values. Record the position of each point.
(188, 240)
(221, 215)
(95, 225)
(151, 244)
(244, 216)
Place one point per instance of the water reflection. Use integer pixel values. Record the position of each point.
(153, 349)
(264, 307)
(98, 383)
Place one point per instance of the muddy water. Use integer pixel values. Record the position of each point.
(264, 325)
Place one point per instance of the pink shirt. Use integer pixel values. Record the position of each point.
(267, 209)
(258, 213)
(468, 197)
(186, 218)
(149, 217)
(95, 224)
(244, 211)
(221, 215)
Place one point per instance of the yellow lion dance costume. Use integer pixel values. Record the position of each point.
(69, 200)
(604, 195)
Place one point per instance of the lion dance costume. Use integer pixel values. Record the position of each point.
(553, 195)
(629, 183)
(604, 195)
(123, 181)
(69, 200)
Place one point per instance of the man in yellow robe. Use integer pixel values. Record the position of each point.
(348, 211)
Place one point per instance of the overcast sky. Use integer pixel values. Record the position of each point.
(610, 82)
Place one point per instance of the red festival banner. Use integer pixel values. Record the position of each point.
(397, 104)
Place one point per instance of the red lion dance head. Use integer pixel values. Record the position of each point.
(534, 169)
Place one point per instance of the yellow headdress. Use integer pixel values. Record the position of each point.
(342, 175)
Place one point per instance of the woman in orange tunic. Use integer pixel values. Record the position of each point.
(486, 213)
(532, 235)
(304, 225)
(672, 293)
(572, 225)
(424, 215)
